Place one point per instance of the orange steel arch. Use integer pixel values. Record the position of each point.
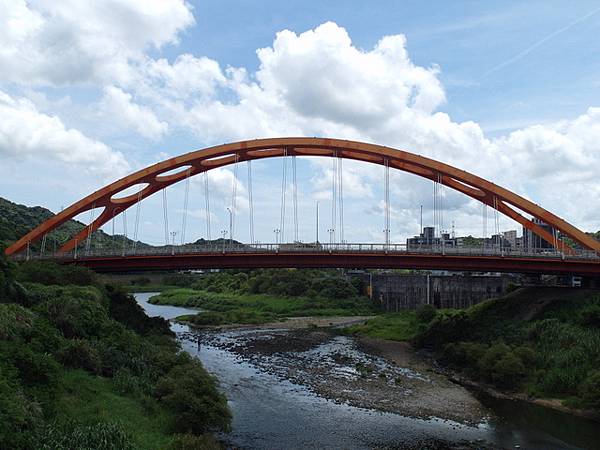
(200, 161)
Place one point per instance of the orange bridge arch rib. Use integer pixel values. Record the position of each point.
(200, 161)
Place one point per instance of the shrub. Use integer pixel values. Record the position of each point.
(463, 353)
(19, 417)
(44, 272)
(208, 318)
(35, 368)
(443, 329)
(590, 390)
(141, 281)
(72, 436)
(526, 355)
(192, 442)
(191, 394)
(124, 309)
(426, 313)
(15, 322)
(508, 371)
(501, 366)
(126, 383)
(79, 354)
(75, 317)
(590, 316)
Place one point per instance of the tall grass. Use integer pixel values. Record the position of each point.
(267, 305)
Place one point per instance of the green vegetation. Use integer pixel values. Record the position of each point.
(400, 326)
(265, 295)
(545, 341)
(17, 220)
(82, 366)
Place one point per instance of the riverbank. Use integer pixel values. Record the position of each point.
(267, 373)
(235, 308)
(82, 366)
(539, 345)
(337, 368)
(403, 353)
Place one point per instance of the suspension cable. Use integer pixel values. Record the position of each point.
(387, 200)
(207, 204)
(333, 195)
(89, 235)
(441, 203)
(165, 216)
(283, 185)
(124, 230)
(341, 197)
(484, 218)
(250, 202)
(138, 208)
(185, 204)
(43, 247)
(295, 194)
(114, 213)
(435, 208)
(497, 213)
(234, 196)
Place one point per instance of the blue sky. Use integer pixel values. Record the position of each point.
(90, 92)
(467, 40)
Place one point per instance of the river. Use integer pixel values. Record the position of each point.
(272, 412)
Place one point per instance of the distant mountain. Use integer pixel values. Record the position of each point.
(17, 220)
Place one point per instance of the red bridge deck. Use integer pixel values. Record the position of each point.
(400, 260)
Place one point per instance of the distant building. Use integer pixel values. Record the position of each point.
(510, 237)
(428, 237)
(532, 241)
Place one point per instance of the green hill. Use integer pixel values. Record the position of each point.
(17, 220)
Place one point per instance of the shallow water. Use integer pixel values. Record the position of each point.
(270, 412)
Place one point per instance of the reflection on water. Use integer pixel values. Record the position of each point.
(273, 413)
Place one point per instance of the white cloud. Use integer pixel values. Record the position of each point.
(318, 83)
(71, 41)
(118, 107)
(315, 83)
(320, 74)
(25, 133)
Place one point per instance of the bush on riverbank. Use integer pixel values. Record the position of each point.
(312, 283)
(542, 340)
(400, 326)
(228, 299)
(84, 365)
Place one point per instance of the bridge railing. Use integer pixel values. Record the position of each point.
(298, 247)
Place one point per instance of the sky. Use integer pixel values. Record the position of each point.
(91, 91)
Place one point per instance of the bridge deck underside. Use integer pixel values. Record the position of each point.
(345, 260)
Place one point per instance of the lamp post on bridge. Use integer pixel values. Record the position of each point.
(173, 234)
(223, 234)
(230, 226)
(277, 231)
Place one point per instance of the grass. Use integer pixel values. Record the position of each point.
(146, 287)
(400, 326)
(551, 336)
(91, 399)
(260, 308)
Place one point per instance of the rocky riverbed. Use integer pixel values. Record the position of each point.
(380, 375)
(302, 384)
